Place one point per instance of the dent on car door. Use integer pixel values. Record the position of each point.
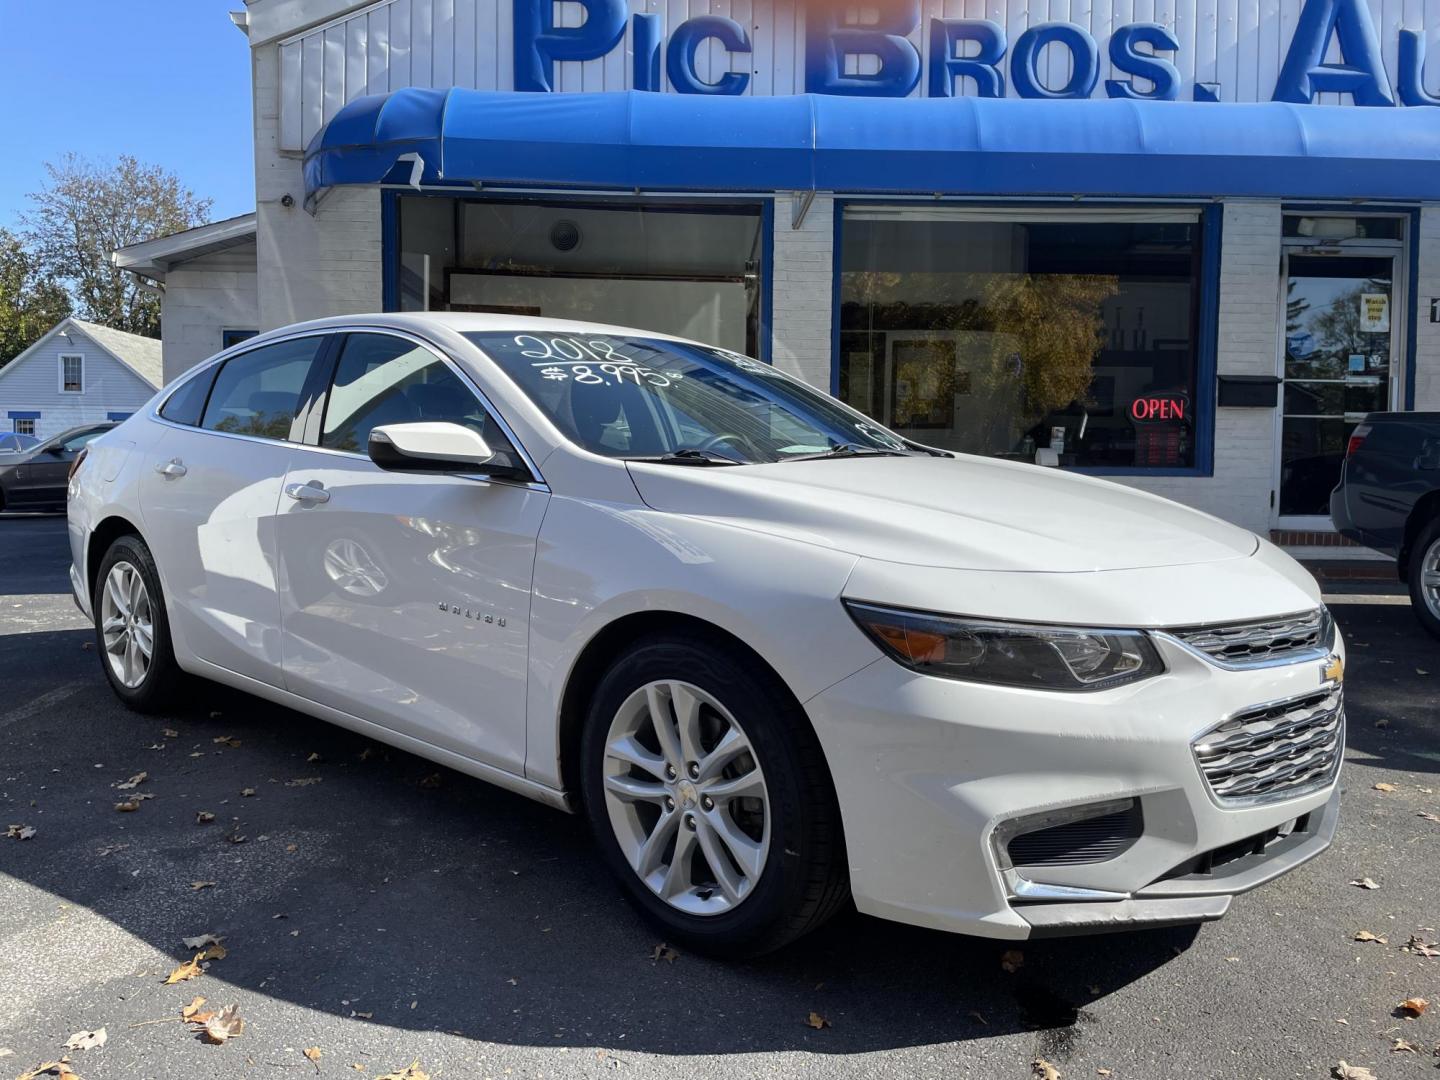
(406, 597)
(209, 498)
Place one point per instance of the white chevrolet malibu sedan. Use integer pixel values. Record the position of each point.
(778, 655)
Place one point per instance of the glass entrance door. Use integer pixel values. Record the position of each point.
(1340, 336)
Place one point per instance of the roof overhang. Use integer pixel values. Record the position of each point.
(636, 141)
(156, 258)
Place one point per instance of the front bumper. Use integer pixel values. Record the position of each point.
(927, 769)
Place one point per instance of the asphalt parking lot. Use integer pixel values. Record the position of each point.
(383, 911)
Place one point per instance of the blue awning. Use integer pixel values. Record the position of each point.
(637, 141)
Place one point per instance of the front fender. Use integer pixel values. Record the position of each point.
(599, 562)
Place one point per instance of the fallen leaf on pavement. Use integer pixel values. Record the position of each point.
(1366, 935)
(1012, 960)
(86, 1040)
(226, 1024)
(170, 733)
(129, 806)
(1419, 947)
(204, 817)
(235, 838)
(410, 1072)
(1400, 1046)
(245, 793)
(1414, 1006)
(313, 759)
(215, 952)
(199, 941)
(1366, 883)
(226, 740)
(1102, 1072)
(312, 1052)
(1384, 787)
(304, 781)
(188, 1011)
(664, 952)
(197, 885)
(134, 782)
(816, 1021)
(1428, 816)
(1044, 1070)
(189, 970)
(1351, 1072)
(20, 832)
(59, 1068)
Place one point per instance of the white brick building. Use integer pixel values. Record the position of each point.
(1213, 337)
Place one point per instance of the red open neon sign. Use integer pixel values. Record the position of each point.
(1159, 408)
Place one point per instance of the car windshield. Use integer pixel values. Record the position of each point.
(647, 398)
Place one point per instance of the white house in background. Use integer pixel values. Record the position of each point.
(78, 373)
(207, 276)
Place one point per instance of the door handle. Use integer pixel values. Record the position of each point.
(311, 493)
(173, 467)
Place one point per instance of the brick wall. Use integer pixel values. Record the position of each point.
(310, 266)
(203, 297)
(803, 291)
(1427, 334)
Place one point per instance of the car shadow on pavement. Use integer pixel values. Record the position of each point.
(366, 882)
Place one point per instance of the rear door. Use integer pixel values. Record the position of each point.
(406, 597)
(209, 498)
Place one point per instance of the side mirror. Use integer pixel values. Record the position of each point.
(432, 447)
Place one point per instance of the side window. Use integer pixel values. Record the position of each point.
(388, 380)
(258, 392)
(185, 404)
(82, 439)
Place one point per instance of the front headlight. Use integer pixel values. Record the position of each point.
(1010, 654)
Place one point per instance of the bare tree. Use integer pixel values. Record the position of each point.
(86, 211)
(30, 301)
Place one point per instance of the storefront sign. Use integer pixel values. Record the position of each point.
(1160, 408)
(1374, 313)
(977, 50)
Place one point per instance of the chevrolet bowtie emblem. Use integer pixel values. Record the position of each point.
(1334, 669)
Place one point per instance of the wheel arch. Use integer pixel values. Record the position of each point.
(105, 533)
(1426, 508)
(602, 650)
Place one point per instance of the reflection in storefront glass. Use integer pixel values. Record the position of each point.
(1006, 337)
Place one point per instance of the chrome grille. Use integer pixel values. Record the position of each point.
(1276, 751)
(1249, 644)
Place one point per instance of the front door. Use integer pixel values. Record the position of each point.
(1340, 352)
(406, 596)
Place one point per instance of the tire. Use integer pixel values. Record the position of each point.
(1425, 559)
(798, 877)
(159, 686)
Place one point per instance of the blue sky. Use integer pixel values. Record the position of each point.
(165, 80)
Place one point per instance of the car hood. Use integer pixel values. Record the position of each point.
(964, 513)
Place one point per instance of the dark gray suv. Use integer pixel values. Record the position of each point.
(35, 479)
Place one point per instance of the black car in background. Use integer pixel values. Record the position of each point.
(1389, 499)
(35, 479)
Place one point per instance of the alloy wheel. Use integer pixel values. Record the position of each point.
(686, 797)
(1430, 578)
(127, 624)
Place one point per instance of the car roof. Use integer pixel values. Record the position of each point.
(462, 322)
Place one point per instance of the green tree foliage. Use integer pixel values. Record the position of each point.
(30, 301)
(86, 211)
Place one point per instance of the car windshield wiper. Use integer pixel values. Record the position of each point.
(843, 450)
(689, 456)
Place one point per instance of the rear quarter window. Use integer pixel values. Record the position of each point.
(187, 402)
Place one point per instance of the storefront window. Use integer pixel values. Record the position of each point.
(690, 271)
(1009, 334)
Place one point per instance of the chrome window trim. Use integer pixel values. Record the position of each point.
(251, 344)
(1305, 656)
(1247, 801)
